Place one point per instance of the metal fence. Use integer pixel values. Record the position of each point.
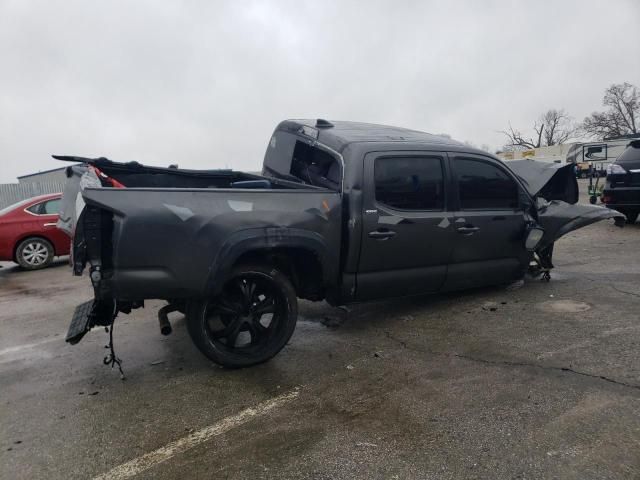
(14, 192)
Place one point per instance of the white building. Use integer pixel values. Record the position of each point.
(553, 154)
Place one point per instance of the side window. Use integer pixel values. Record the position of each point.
(36, 209)
(410, 183)
(52, 207)
(482, 186)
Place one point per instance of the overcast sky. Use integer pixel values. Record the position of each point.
(202, 84)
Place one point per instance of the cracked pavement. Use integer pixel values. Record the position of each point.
(540, 381)
(511, 364)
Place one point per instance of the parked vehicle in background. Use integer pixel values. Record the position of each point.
(28, 232)
(343, 211)
(622, 186)
(592, 158)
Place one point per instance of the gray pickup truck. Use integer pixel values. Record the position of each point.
(343, 212)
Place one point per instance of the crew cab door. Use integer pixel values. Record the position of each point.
(406, 236)
(489, 224)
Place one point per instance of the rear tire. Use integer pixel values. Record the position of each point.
(249, 322)
(631, 217)
(34, 253)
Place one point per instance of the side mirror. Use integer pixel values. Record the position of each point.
(534, 235)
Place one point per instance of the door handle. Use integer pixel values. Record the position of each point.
(467, 230)
(382, 234)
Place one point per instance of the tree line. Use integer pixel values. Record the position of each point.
(620, 117)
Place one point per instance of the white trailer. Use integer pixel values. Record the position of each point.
(595, 156)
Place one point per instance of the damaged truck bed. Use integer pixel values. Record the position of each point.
(344, 212)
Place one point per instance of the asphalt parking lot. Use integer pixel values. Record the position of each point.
(540, 380)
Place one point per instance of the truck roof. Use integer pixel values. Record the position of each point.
(338, 134)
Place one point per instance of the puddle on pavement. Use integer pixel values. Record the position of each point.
(564, 306)
(329, 321)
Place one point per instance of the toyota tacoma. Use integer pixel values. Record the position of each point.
(342, 211)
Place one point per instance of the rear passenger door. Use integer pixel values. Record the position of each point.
(407, 235)
(489, 224)
(45, 220)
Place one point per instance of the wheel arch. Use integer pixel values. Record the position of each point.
(285, 248)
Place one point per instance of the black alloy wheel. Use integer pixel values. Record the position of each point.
(249, 322)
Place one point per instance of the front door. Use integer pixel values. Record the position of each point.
(407, 233)
(489, 222)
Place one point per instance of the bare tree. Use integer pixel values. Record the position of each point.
(622, 116)
(558, 127)
(516, 137)
(512, 147)
(554, 127)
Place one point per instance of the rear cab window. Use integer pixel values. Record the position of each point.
(484, 186)
(298, 158)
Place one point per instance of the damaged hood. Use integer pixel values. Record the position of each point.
(551, 181)
(555, 190)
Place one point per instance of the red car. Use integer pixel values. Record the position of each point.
(28, 233)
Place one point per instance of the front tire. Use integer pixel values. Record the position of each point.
(251, 320)
(34, 253)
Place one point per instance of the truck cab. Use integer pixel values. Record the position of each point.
(424, 213)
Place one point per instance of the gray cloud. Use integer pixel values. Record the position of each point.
(202, 83)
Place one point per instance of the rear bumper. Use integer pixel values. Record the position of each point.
(621, 197)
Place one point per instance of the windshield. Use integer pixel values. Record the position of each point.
(14, 206)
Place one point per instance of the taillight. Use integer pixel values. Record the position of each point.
(607, 199)
(615, 169)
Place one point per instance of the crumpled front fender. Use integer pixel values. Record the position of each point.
(555, 190)
(559, 218)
